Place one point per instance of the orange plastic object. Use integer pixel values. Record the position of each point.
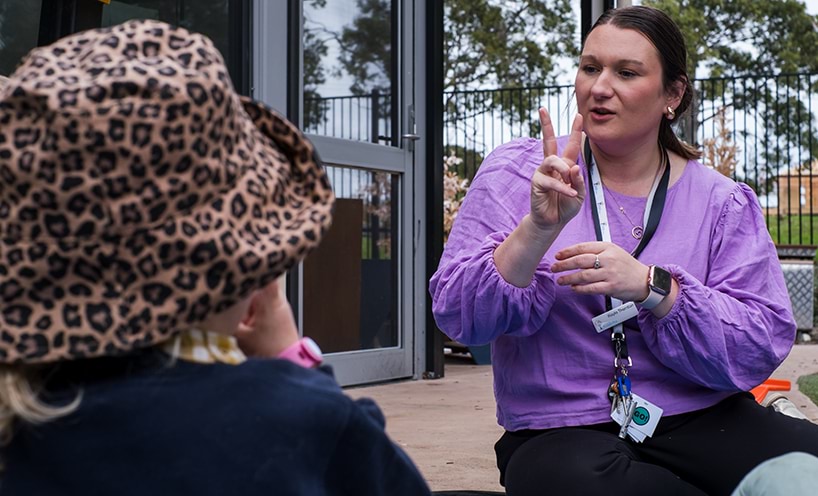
(760, 391)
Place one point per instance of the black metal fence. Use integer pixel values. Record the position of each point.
(358, 117)
(375, 190)
(758, 129)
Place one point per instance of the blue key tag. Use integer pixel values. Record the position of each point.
(624, 383)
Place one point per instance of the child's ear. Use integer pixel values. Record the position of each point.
(247, 320)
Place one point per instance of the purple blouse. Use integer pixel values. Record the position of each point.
(728, 330)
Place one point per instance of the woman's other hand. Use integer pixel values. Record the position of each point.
(269, 326)
(557, 186)
(616, 274)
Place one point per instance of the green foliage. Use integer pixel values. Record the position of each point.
(470, 160)
(741, 37)
(366, 47)
(793, 229)
(748, 37)
(364, 54)
(510, 43)
(504, 44)
(314, 76)
(808, 384)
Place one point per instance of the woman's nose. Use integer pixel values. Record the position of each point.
(602, 85)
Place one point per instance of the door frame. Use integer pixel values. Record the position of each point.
(282, 89)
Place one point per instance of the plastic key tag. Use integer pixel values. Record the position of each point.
(646, 416)
(624, 383)
(640, 419)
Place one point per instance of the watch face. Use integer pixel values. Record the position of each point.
(660, 280)
(313, 348)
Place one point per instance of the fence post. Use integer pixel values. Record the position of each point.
(374, 221)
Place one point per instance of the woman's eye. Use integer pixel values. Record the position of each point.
(627, 74)
(589, 69)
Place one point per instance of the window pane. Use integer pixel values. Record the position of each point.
(209, 17)
(19, 30)
(348, 69)
(350, 281)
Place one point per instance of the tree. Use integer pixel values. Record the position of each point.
(488, 43)
(504, 44)
(363, 55)
(742, 37)
(752, 38)
(366, 48)
(314, 76)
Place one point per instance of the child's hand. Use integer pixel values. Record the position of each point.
(269, 326)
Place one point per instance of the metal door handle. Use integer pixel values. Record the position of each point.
(413, 137)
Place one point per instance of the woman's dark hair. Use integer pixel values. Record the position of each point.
(665, 35)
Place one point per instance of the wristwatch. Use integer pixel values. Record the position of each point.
(304, 352)
(659, 281)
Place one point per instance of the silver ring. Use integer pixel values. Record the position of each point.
(596, 262)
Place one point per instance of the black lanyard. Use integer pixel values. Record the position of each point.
(656, 207)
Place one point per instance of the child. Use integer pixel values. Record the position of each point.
(146, 211)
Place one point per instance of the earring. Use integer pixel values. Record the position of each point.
(671, 114)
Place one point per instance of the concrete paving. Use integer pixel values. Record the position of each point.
(448, 427)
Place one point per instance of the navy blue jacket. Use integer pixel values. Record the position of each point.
(145, 427)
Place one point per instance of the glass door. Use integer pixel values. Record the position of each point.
(357, 96)
(19, 31)
(225, 22)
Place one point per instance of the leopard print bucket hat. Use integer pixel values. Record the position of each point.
(140, 194)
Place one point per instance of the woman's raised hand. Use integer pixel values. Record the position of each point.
(557, 187)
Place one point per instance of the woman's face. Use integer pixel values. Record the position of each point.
(619, 88)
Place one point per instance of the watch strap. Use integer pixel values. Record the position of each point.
(655, 294)
(653, 299)
(304, 352)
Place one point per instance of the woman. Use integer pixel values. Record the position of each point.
(629, 292)
(146, 211)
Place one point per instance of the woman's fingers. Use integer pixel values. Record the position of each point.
(597, 267)
(571, 151)
(580, 248)
(547, 182)
(554, 166)
(549, 139)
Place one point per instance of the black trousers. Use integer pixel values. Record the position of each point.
(704, 452)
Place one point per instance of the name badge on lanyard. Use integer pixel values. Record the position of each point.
(636, 416)
(615, 316)
(618, 312)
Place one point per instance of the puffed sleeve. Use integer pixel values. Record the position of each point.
(732, 330)
(471, 301)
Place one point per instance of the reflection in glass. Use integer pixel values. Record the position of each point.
(208, 17)
(348, 69)
(350, 281)
(19, 30)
